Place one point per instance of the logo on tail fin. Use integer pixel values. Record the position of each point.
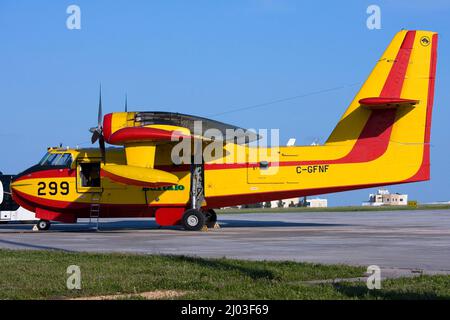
(425, 41)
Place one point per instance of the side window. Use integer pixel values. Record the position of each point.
(90, 175)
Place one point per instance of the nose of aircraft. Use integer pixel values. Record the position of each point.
(27, 172)
(22, 190)
(19, 181)
(15, 183)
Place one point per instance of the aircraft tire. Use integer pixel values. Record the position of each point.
(211, 218)
(193, 220)
(43, 225)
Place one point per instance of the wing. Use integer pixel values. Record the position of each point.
(142, 132)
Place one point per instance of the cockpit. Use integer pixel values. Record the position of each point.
(56, 159)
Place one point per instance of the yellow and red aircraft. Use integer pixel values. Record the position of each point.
(383, 138)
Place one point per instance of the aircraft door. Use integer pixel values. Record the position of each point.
(88, 176)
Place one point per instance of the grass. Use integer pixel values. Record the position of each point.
(336, 209)
(42, 275)
(422, 287)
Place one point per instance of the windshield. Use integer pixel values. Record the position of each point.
(56, 159)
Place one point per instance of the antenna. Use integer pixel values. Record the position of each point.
(126, 102)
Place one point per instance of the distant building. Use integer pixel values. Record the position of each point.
(384, 198)
(297, 202)
(317, 203)
(285, 203)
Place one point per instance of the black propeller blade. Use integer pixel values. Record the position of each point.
(101, 143)
(97, 132)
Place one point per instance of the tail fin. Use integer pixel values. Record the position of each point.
(393, 107)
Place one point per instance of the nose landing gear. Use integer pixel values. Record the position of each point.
(43, 225)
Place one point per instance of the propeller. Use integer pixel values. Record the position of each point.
(97, 132)
(126, 102)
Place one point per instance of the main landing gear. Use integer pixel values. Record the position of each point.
(211, 218)
(195, 220)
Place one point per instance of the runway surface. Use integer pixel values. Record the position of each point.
(392, 239)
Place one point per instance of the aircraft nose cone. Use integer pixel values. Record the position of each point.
(19, 180)
(15, 181)
(20, 189)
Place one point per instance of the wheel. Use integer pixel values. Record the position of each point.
(211, 218)
(43, 225)
(193, 220)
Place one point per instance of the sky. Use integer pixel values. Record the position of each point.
(206, 58)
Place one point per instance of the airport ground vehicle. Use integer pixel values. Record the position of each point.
(10, 211)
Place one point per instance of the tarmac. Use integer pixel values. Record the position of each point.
(416, 240)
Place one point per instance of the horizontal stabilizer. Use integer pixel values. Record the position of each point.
(376, 103)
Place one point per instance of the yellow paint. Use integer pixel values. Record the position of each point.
(140, 154)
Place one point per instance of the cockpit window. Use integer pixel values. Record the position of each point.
(56, 159)
(64, 160)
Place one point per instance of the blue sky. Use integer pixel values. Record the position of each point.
(204, 58)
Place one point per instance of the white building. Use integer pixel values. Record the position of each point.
(285, 203)
(384, 198)
(295, 202)
(317, 203)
